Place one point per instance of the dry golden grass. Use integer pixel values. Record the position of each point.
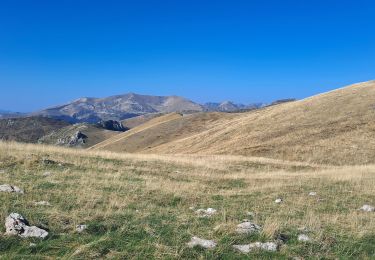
(332, 128)
(138, 205)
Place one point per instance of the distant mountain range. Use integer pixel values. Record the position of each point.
(120, 107)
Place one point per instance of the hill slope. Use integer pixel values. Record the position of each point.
(118, 107)
(28, 129)
(65, 136)
(335, 128)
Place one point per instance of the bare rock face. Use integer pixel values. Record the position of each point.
(16, 224)
(76, 139)
(10, 188)
(247, 227)
(268, 246)
(206, 213)
(367, 208)
(207, 244)
(112, 125)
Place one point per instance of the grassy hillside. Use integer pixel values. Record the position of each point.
(138, 120)
(162, 130)
(332, 128)
(120, 142)
(94, 134)
(28, 129)
(139, 206)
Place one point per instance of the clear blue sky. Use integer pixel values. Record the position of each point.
(207, 50)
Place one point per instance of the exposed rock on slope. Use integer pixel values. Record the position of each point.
(16, 224)
(78, 135)
(112, 125)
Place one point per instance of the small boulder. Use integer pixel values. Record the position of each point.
(16, 224)
(81, 228)
(206, 213)
(268, 246)
(196, 241)
(279, 200)
(10, 188)
(312, 193)
(367, 208)
(247, 227)
(304, 238)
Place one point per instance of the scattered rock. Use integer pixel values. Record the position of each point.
(10, 188)
(32, 245)
(367, 208)
(46, 174)
(192, 208)
(304, 238)
(206, 213)
(42, 203)
(268, 246)
(15, 224)
(247, 228)
(196, 241)
(279, 200)
(81, 228)
(312, 193)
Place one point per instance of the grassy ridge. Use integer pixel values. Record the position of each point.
(137, 206)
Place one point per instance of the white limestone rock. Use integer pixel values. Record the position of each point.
(367, 208)
(16, 224)
(10, 188)
(206, 244)
(278, 201)
(247, 227)
(268, 246)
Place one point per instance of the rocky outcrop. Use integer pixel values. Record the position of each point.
(77, 139)
(16, 224)
(112, 125)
